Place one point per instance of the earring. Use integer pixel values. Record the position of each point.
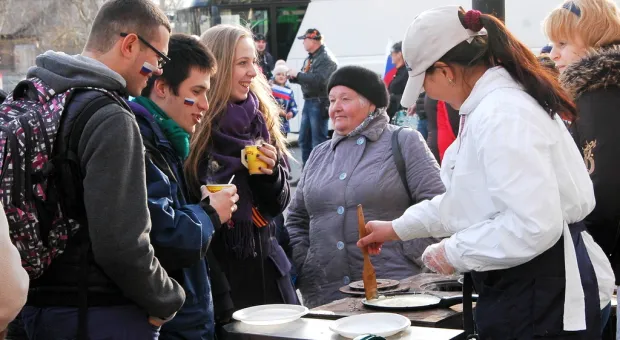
(450, 81)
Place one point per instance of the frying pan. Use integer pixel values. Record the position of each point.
(413, 302)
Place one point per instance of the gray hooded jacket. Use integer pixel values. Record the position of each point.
(111, 154)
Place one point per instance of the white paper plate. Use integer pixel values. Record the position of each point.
(381, 324)
(270, 314)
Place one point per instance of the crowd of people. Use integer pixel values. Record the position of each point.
(155, 207)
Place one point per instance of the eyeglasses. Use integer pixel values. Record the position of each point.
(163, 59)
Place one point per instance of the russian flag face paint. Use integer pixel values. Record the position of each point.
(147, 69)
(189, 102)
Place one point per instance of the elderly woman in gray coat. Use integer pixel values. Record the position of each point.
(356, 167)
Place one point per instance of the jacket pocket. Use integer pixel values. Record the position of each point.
(548, 306)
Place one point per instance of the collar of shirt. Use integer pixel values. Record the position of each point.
(317, 52)
(494, 79)
(372, 132)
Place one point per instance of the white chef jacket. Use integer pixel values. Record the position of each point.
(514, 181)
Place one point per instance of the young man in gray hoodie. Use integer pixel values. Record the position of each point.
(129, 294)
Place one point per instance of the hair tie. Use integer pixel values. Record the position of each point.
(472, 20)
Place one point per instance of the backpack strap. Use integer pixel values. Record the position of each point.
(400, 162)
(71, 153)
(82, 119)
(26, 89)
(81, 106)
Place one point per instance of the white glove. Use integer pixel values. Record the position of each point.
(435, 259)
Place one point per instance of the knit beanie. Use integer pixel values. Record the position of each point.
(280, 69)
(363, 81)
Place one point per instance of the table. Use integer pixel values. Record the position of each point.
(439, 318)
(312, 329)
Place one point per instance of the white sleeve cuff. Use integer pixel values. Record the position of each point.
(408, 231)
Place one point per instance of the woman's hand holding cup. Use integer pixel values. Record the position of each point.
(269, 155)
(223, 198)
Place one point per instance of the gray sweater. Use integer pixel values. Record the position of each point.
(112, 159)
(322, 221)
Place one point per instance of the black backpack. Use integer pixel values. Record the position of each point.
(40, 174)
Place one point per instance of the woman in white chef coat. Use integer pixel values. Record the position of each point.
(517, 187)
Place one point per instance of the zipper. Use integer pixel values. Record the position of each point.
(48, 145)
(28, 134)
(17, 171)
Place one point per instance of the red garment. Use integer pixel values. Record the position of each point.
(445, 135)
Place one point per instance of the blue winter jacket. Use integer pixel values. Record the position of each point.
(180, 234)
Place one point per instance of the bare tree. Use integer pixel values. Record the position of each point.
(172, 5)
(5, 6)
(68, 27)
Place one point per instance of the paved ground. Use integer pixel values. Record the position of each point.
(296, 151)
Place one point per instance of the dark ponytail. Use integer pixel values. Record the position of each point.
(500, 48)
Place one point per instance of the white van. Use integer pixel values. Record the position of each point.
(360, 31)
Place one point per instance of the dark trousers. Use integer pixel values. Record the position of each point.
(15, 330)
(104, 323)
(527, 301)
(313, 129)
(423, 128)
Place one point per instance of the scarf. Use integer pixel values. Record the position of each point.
(242, 124)
(178, 137)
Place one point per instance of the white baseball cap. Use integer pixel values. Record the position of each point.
(429, 37)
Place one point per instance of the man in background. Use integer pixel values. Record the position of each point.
(265, 59)
(313, 77)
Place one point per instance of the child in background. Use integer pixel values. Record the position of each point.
(283, 95)
(279, 62)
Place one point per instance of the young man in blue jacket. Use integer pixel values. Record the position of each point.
(168, 111)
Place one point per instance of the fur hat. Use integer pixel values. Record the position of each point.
(363, 81)
(280, 69)
(280, 62)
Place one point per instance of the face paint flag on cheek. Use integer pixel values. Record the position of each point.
(189, 102)
(147, 69)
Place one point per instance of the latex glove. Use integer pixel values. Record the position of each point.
(435, 259)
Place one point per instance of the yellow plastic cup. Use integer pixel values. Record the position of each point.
(218, 187)
(249, 158)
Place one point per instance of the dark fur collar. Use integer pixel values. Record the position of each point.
(600, 69)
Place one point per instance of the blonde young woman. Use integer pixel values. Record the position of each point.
(247, 265)
(586, 50)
